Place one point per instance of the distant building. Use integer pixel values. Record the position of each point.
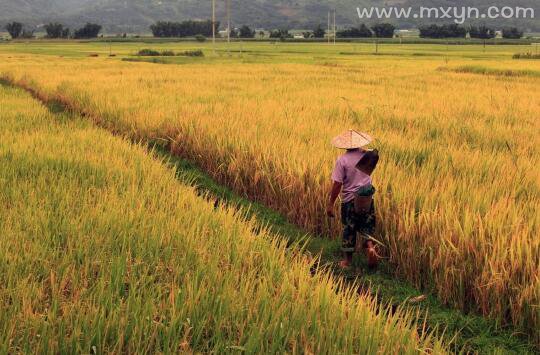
(406, 33)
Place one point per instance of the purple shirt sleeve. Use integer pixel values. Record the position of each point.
(338, 175)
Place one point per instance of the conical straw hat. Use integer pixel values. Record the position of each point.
(351, 139)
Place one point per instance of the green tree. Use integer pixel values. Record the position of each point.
(442, 31)
(282, 34)
(246, 32)
(90, 30)
(512, 32)
(319, 32)
(364, 31)
(182, 29)
(482, 32)
(383, 30)
(56, 30)
(361, 32)
(14, 29)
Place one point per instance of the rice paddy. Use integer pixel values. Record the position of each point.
(459, 187)
(104, 251)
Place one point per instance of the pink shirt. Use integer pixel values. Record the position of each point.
(346, 173)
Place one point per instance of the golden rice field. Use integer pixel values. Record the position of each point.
(459, 184)
(104, 251)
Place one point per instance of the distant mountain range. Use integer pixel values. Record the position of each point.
(136, 15)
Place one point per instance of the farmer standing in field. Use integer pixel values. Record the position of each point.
(352, 178)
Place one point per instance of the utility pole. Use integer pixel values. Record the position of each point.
(214, 24)
(335, 27)
(228, 21)
(328, 33)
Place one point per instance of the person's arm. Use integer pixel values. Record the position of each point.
(334, 193)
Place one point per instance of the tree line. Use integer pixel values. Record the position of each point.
(380, 30)
(204, 28)
(456, 31)
(195, 28)
(182, 29)
(54, 30)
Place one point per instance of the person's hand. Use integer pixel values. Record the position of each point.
(330, 211)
